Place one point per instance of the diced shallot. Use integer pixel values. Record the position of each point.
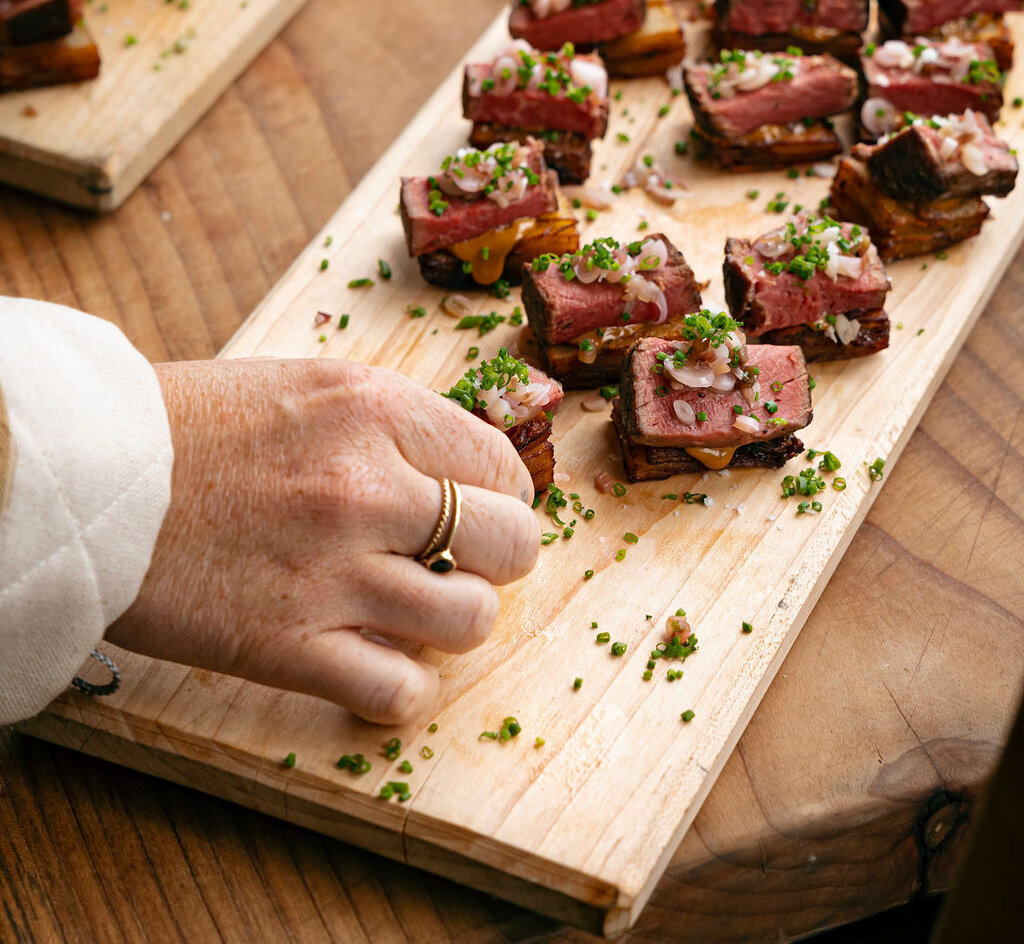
(746, 424)
(684, 412)
(690, 375)
(603, 482)
(973, 159)
(456, 306)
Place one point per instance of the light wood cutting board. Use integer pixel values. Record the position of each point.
(582, 827)
(92, 143)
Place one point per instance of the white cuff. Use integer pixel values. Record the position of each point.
(92, 482)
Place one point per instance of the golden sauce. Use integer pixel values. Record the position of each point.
(498, 243)
(712, 458)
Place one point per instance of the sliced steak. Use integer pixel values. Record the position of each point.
(584, 25)
(763, 300)
(809, 87)
(919, 16)
(987, 28)
(812, 40)
(565, 152)
(533, 108)
(23, 22)
(780, 16)
(646, 463)
(770, 146)
(820, 344)
(650, 419)
(560, 310)
(925, 161)
(902, 229)
(934, 78)
(463, 218)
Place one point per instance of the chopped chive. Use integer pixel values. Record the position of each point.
(324, 263)
(577, 683)
(539, 742)
(384, 269)
(289, 761)
(630, 538)
(602, 638)
(343, 322)
(587, 574)
(355, 283)
(618, 490)
(620, 554)
(618, 648)
(687, 716)
(426, 753)
(405, 767)
(747, 627)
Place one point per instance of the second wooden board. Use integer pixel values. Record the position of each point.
(91, 144)
(582, 826)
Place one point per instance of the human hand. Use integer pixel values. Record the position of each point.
(301, 491)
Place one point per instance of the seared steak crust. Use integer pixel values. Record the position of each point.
(566, 152)
(532, 440)
(818, 346)
(644, 463)
(70, 58)
(902, 229)
(907, 166)
(769, 146)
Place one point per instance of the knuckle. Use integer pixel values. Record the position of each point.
(399, 699)
(479, 612)
(521, 545)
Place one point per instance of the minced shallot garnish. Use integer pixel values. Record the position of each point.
(809, 244)
(603, 482)
(520, 66)
(713, 357)
(953, 56)
(747, 71)
(746, 424)
(652, 177)
(684, 412)
(456, 306)
(542, 9)
(501, 173)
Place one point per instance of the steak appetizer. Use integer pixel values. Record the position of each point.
(759, 110)
(933, 158)
(813, 282)
(707, 402)
(559, 98)
(920, 190)
(987, 28)
(520, 401)
(832, 26)
(919, 16)
(485, 214)
(902, 228)
(44, 42)
(928, 78)
(550, 24)
(586, 308)
(652, 50)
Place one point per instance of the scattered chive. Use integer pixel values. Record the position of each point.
(875, 470)
(539, 742)
(587, 574)
(747, 627)
(618, 490)
(630, 538)
(620, 554)
(602, 638)
(355, 283)
(384, 268)
(687, 716)
(433, 727)
(405, 767)
(323, 264)
(577, 683)
(289, 761)
(426, 753)
(618, 648)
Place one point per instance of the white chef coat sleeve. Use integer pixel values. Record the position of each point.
(85, 482)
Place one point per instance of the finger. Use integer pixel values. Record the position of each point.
(375, 681)
(497, 536)
(447, 441)
(454, 612)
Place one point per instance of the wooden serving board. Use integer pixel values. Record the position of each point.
(92, 143)
(582, 827)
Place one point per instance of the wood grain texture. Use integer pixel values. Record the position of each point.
(91, 143)
(188, 867)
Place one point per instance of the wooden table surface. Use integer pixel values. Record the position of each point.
(851, 787)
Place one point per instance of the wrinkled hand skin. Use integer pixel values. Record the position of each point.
(301, 492)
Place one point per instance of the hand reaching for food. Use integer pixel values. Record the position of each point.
(307, 497)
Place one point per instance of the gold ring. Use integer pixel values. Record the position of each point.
(437, 556)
